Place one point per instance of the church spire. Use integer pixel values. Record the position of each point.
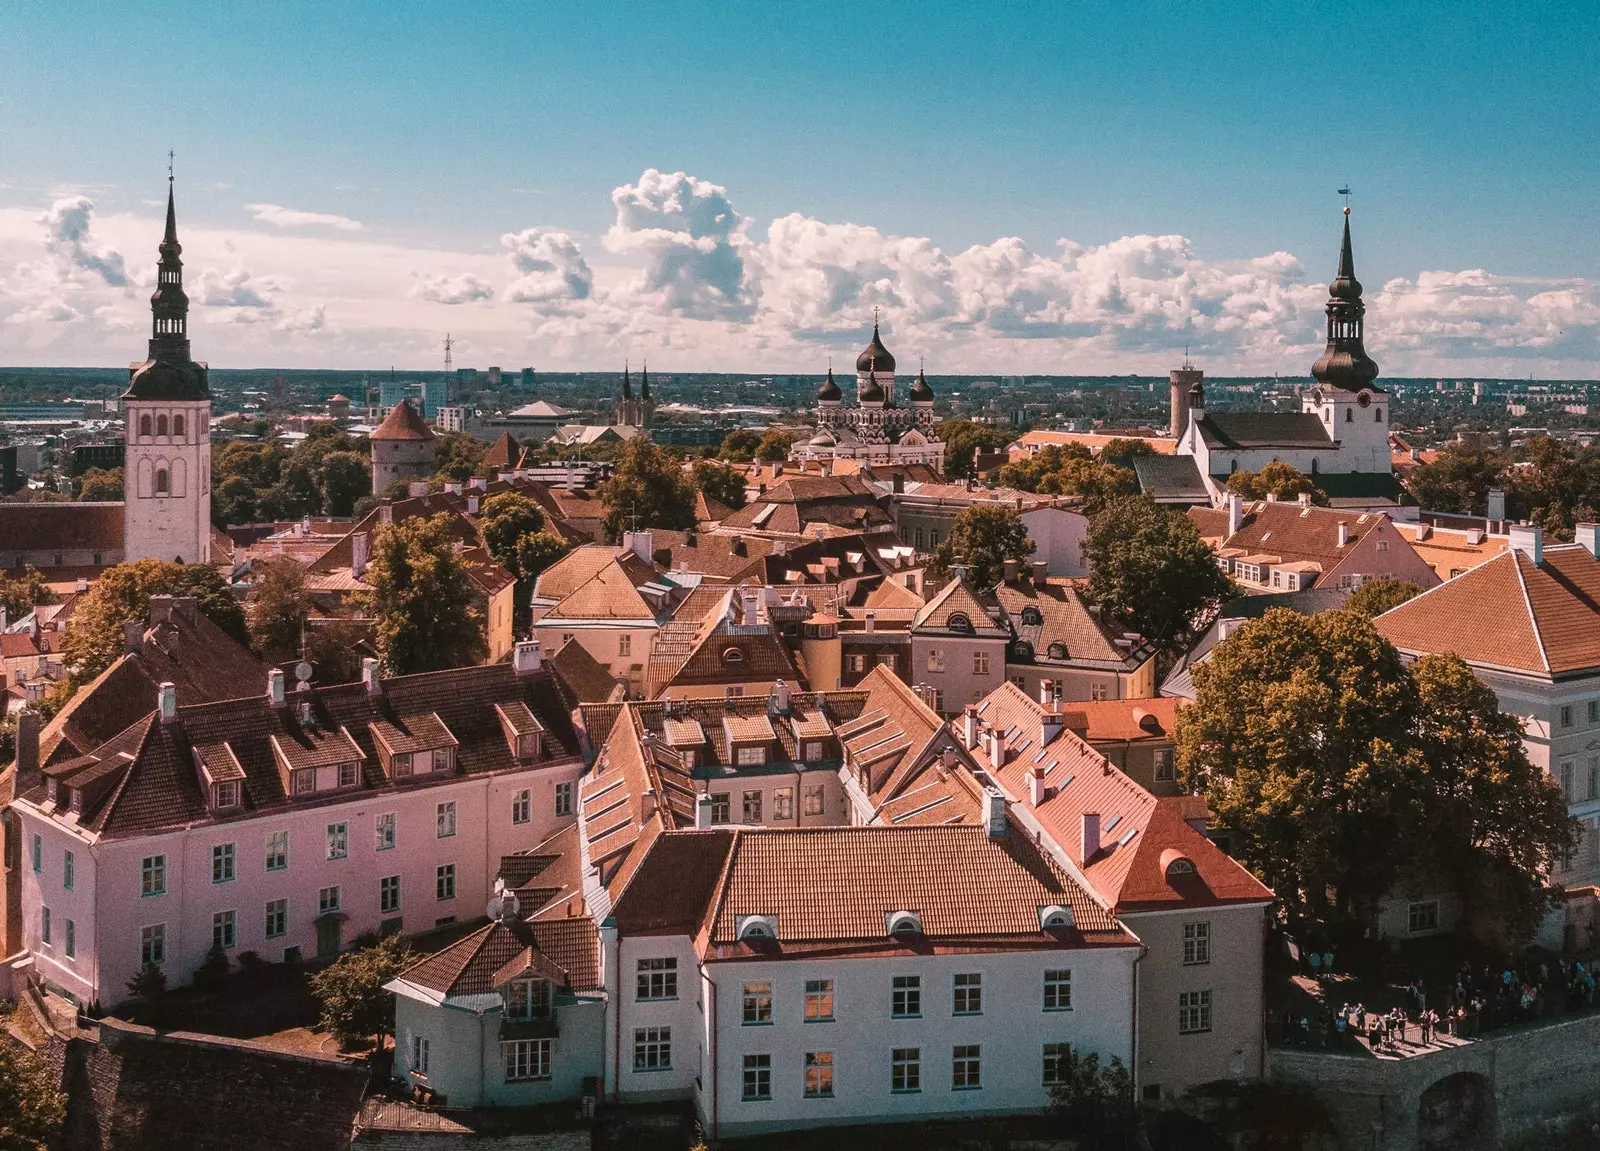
(644, 383)
(1344, 363)
(169, 305)
(627, 382)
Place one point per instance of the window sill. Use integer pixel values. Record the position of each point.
(979, 1087)
(756, 1099)
(1056, 1010)
(1197, 963)
(657, 999)
(1198, 1031)
(650, 1070)
(964, 1014)
(823, 1019)
(757, 1023)
(905, 1091)
(916, 1016)
(531, 1079)
(829, 1095)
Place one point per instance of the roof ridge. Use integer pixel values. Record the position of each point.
(104, 818)
(1527, 602)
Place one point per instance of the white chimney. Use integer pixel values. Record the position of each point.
(780, 696)
(526, 657)
(872, 619)
(1344, 533)
(639, 543)
(1424, 532)
(275, 687)
(969, 727)
(453, 488)
(1091, 835)
(1050, 724)
(1036, 788)
(1529, 540)
(1587, 536)
(416, 489)
(472, 505)
(1305, 500)
(360, 553)
(1047, 693)
(369, 676)
(751, 603)
(167, 700)
(1235, 512)
(702, 811)
(994, 814)
(997, 749)
(386, 513)
(83, 585)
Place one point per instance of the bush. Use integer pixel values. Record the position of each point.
(354, 1003)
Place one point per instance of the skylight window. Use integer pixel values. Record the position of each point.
(1127, 836)
(1112, 822)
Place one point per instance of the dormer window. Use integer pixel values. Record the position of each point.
(733, 657)
(1058, 651)
(349, 774)
(1056, 917)
(305, 782)
(1023, 649)
(1032, 617)
(758, 927)
(902, 924)
(227, 793)
(52, 790)
(528, 999)
(402, 765)
(958, 621)
(1180, 867)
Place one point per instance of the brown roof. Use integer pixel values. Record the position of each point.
(761, 657)
(61, 527)
(612, 592)
(585, 678)
(573, 570)
(1292, 532)
(470, 965)
(503, 453)
(839, 504)
(1065, 620)
(956, 597)
(724, 558)
(673, 893)
(1510, 613)
(403, 423)
(406, 734)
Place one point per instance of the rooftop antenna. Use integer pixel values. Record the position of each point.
(448, 343)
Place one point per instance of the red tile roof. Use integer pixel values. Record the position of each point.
(1119, 720)
(403, 423)
(470, 965)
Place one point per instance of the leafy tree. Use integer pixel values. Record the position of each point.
(459, 456)
(335, 648)
(648, 488)
(720, 482)
(350, 991)
(1122, 451)
(536, 552)
(1070, 471)
(1459, 478)
(19, 593)
(774, 446)
(1279, 480)
(1096, 1101)
(1376, 596)
(1556, 484)
(1027, 474)
(123, 592)
(503, 520)
(963, 440)
(983, 537)
(346, 477)
(421, 598)
(32, 1108)
(1150, 572)
(233, 501)
(99, 484)
(740, 445)
(280, 605)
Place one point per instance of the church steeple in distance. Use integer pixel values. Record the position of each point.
(1345, 364)
(170, 372)
(644, 382)
(627, 382)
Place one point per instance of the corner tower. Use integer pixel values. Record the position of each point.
(167, 407)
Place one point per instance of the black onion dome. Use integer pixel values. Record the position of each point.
(873, 391)
(875, 357)
(920, 391)
(829, 390)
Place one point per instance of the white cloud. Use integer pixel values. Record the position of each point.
(231, 289)
(280, 217)
(463, 289)
(553, 270)
(310, 320)
(67, 237)
(692, 242)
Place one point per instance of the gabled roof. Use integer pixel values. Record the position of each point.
(1294, 533)
(1172, 479)
(503, 453)
(403, 423)
(585, 679)
(957, 597)
(470, 966)
(724, 651)
(1123, 720)
(611, 593)
(1228, 431)
(60, 527)
(1509, 613)
(1064, 619)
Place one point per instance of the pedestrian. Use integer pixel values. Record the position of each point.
(1426, 1026)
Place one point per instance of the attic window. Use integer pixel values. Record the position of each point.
(228, 793)
(958, 621)
(1180, 867)
(1031, 617)
(1056, 917)
(758, 927)
(1058, 651)
(733, 655)
(905, 923)
(1024, 649)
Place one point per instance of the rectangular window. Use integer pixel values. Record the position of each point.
(38, 854)
(277, 918)
(44, 925)
(886, 660)
(328, 900)
(446, 820)
(1163, 763)
(1097, 691)
(442, 758)
(1194, 1012)
(783, 803)
(1566, 715)
(1594, 777)
(224, 929)
(625, 644)
(1058, 990)
(907, 1002)
(968, 995)
(419, 1054)
(721, 808)
(814, 793)
(819, 1074)
(819, 1000)
(856, 662)
(813, 751)
(153, 875)
(563, 799)
(72, 939)
(757, 1077)
(658, 979)
(69, 871)
(905, 1070)
(935, 659)
(444, 881)
(400, 764)
(389, 894)
(305, 782)
(530, 999)
(751, 756)
(652, 1049)
(349, 774)
(1565, 773)
(153, 945)
(385, 831)
(278, 851)
(1423, 916)
(222, 863)
(966, 1067)
(527, 1059)
(521, 806)
(752, 807)
(757, 1004)
(338, 840)
(980, 663)
(1057, 1064)
(1594, 711)
(1196, 943)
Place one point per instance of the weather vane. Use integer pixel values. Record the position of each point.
(1345, 192)
(170, 155)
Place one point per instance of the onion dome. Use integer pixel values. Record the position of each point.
(872, 391)
(875, 357)
(829, 390)
(921, 393)
(1344, 364)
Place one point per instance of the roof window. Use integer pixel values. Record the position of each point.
(1056, 917)
(758, 927)
(904, 923)
(733, 655)
(958, 621)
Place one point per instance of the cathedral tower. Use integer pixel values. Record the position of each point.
(1352, 407)
(167, 471)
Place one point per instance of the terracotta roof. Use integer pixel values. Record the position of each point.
(673, 892)
(708, 510)
(723, 651)
(893, 595)
(1295, 533)
(503, 453)
(61, 527)
(1065, 625)
(844, 504)
(1162, 445)
(1120, 720)
(1508, 613)
(585, 678)
(573, 570)
(403, 423)
(408, 734)
(724, 558)
(611, 593)
(470, 965)
(1451, 552)
(891, 735)
(956, 597)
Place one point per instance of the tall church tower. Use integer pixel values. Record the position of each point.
(167, 471)
(1352, 406)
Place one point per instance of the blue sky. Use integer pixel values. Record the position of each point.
(1468, 133)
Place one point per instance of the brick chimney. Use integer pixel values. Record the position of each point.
(132, 636)
(1091, 835)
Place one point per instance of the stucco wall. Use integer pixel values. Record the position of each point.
(960, 682)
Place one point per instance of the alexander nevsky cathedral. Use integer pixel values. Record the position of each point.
(876, 428)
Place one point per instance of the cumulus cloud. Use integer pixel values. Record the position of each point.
(310, 320)
(67, 238)
(231, 289)
(280, 217)
(1465, 312)
(692, 242)
(463, 289)
(553, 270)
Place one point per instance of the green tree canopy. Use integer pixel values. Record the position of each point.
(123, 592)
(346, 477)
(1150, 571)
(350, 991)
(1459, 478)
(503, 520)
(32, 1109)
(280, 605)
(740, 445)
(963, 440)
(98, 485)
(459, 456)
(649, 488)
(720, 482)
(420, 598)
(774, 446)
(982, 538)
(1376, 596)
(1070, 471)
(327, 472)
(1277, 479)
(1122, 451)
(19, 593)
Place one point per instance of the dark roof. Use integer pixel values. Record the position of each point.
(1361, 487)
(1245, 430)
(829, 390)
(875, 357)
(586, 680)
(168, 379)
(1171, 479)
(61, 526)
(403, 423)
(921, 391)
(1312, 601)
(470, 966)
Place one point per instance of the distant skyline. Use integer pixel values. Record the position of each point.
(1021, 188)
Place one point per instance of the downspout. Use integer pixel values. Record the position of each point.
(1134, 1045)
(482, 1040)
(716, 1079)
(616, 1029)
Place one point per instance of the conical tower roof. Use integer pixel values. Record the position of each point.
(403, 423)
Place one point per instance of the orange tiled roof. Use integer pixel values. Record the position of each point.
(403, 423)
(1123, 719)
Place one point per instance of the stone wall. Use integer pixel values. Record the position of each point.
(1465, 1097)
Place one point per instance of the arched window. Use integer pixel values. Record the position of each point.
(1058, 651)
(1233, 466)
(733, 656)
(1031, 617)
(177, 425)
(144, 424)
(1023, 650)
(1377, 415)
(163, 482)
(958, 621)
(161, 425)
(1313, 467)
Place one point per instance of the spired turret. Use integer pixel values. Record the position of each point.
(1344, 364)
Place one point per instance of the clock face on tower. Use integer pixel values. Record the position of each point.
(1364, 399)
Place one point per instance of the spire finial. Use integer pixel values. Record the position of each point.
(874, 318)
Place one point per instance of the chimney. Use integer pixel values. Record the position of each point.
(369, 676)
(416, 489)
(1091, 835)
(1047, 694)
(948, 759)
(639, 543)
(780, 697)
(472, 505)
(1496, 511)
(571, 479)
(160, 609)
(1036, 787)
(749, 608)
(994, 814)
(132, 636)
(167, 701)
(1305, 500)
(1011, 569)
(1529, 540)
(83, 585)
(1235, 512)
(1041, 573)
(478, 482)
(526, 657)
(969, 726)
(997, 749)
(1344, 533)
(360, 554)
(275, 687)
(453, 488)
(872, 621)
(899, 483)
(777, 470)
(702, 811)
(1424, 531)
(1050, 723)
(1584, 535)
(27, 775)
(386, 513)
(187, 607)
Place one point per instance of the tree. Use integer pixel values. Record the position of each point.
(335, 648)
(1150, 572)
(963, 440)
(99, 484)
(459, 456)
(1070, 471)
(19, 593)
(123, 592)
(346, 477)
(503, 520)
(1277, 479)
(1376, 596)
(983, 537)
(740, 445)
(1096, 1101)
(421, 598)
(350, 991)
(1459, 478)
(536, 552)
(720, 482)
(1122, 452)
(774, 446)
(648, 489)
(32, 1108)
(280, 605)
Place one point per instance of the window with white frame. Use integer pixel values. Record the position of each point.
(906, 1001)
(384, 827)
(652, 1049)
(935, 659)
(528, 999)
(980, 663)
(400, 764)
(304, 782)
(658, 978)
(757, 1077)
(527, 1059)
(224, 929)
(1058, 989)
(277, 850)
(968, 995)
(222, 863)
(813, 751)
(419, 1055)
(446, 820)
(783, 803)
(752, 807)
(814, 794)
(338, 840)
(522, 806)
(1194, 1012)
(153, 945)
(757, 1004)
(721, 807)
(444, 882)
(563, 799)
(389, 894)
(905, 1070)
(752, 756)
(153, 875)
(966, 1067)
(1196, 943)
(1057, 1064)
(625, 644)
(1097, 691)
(277, 918)
(819, 1075)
